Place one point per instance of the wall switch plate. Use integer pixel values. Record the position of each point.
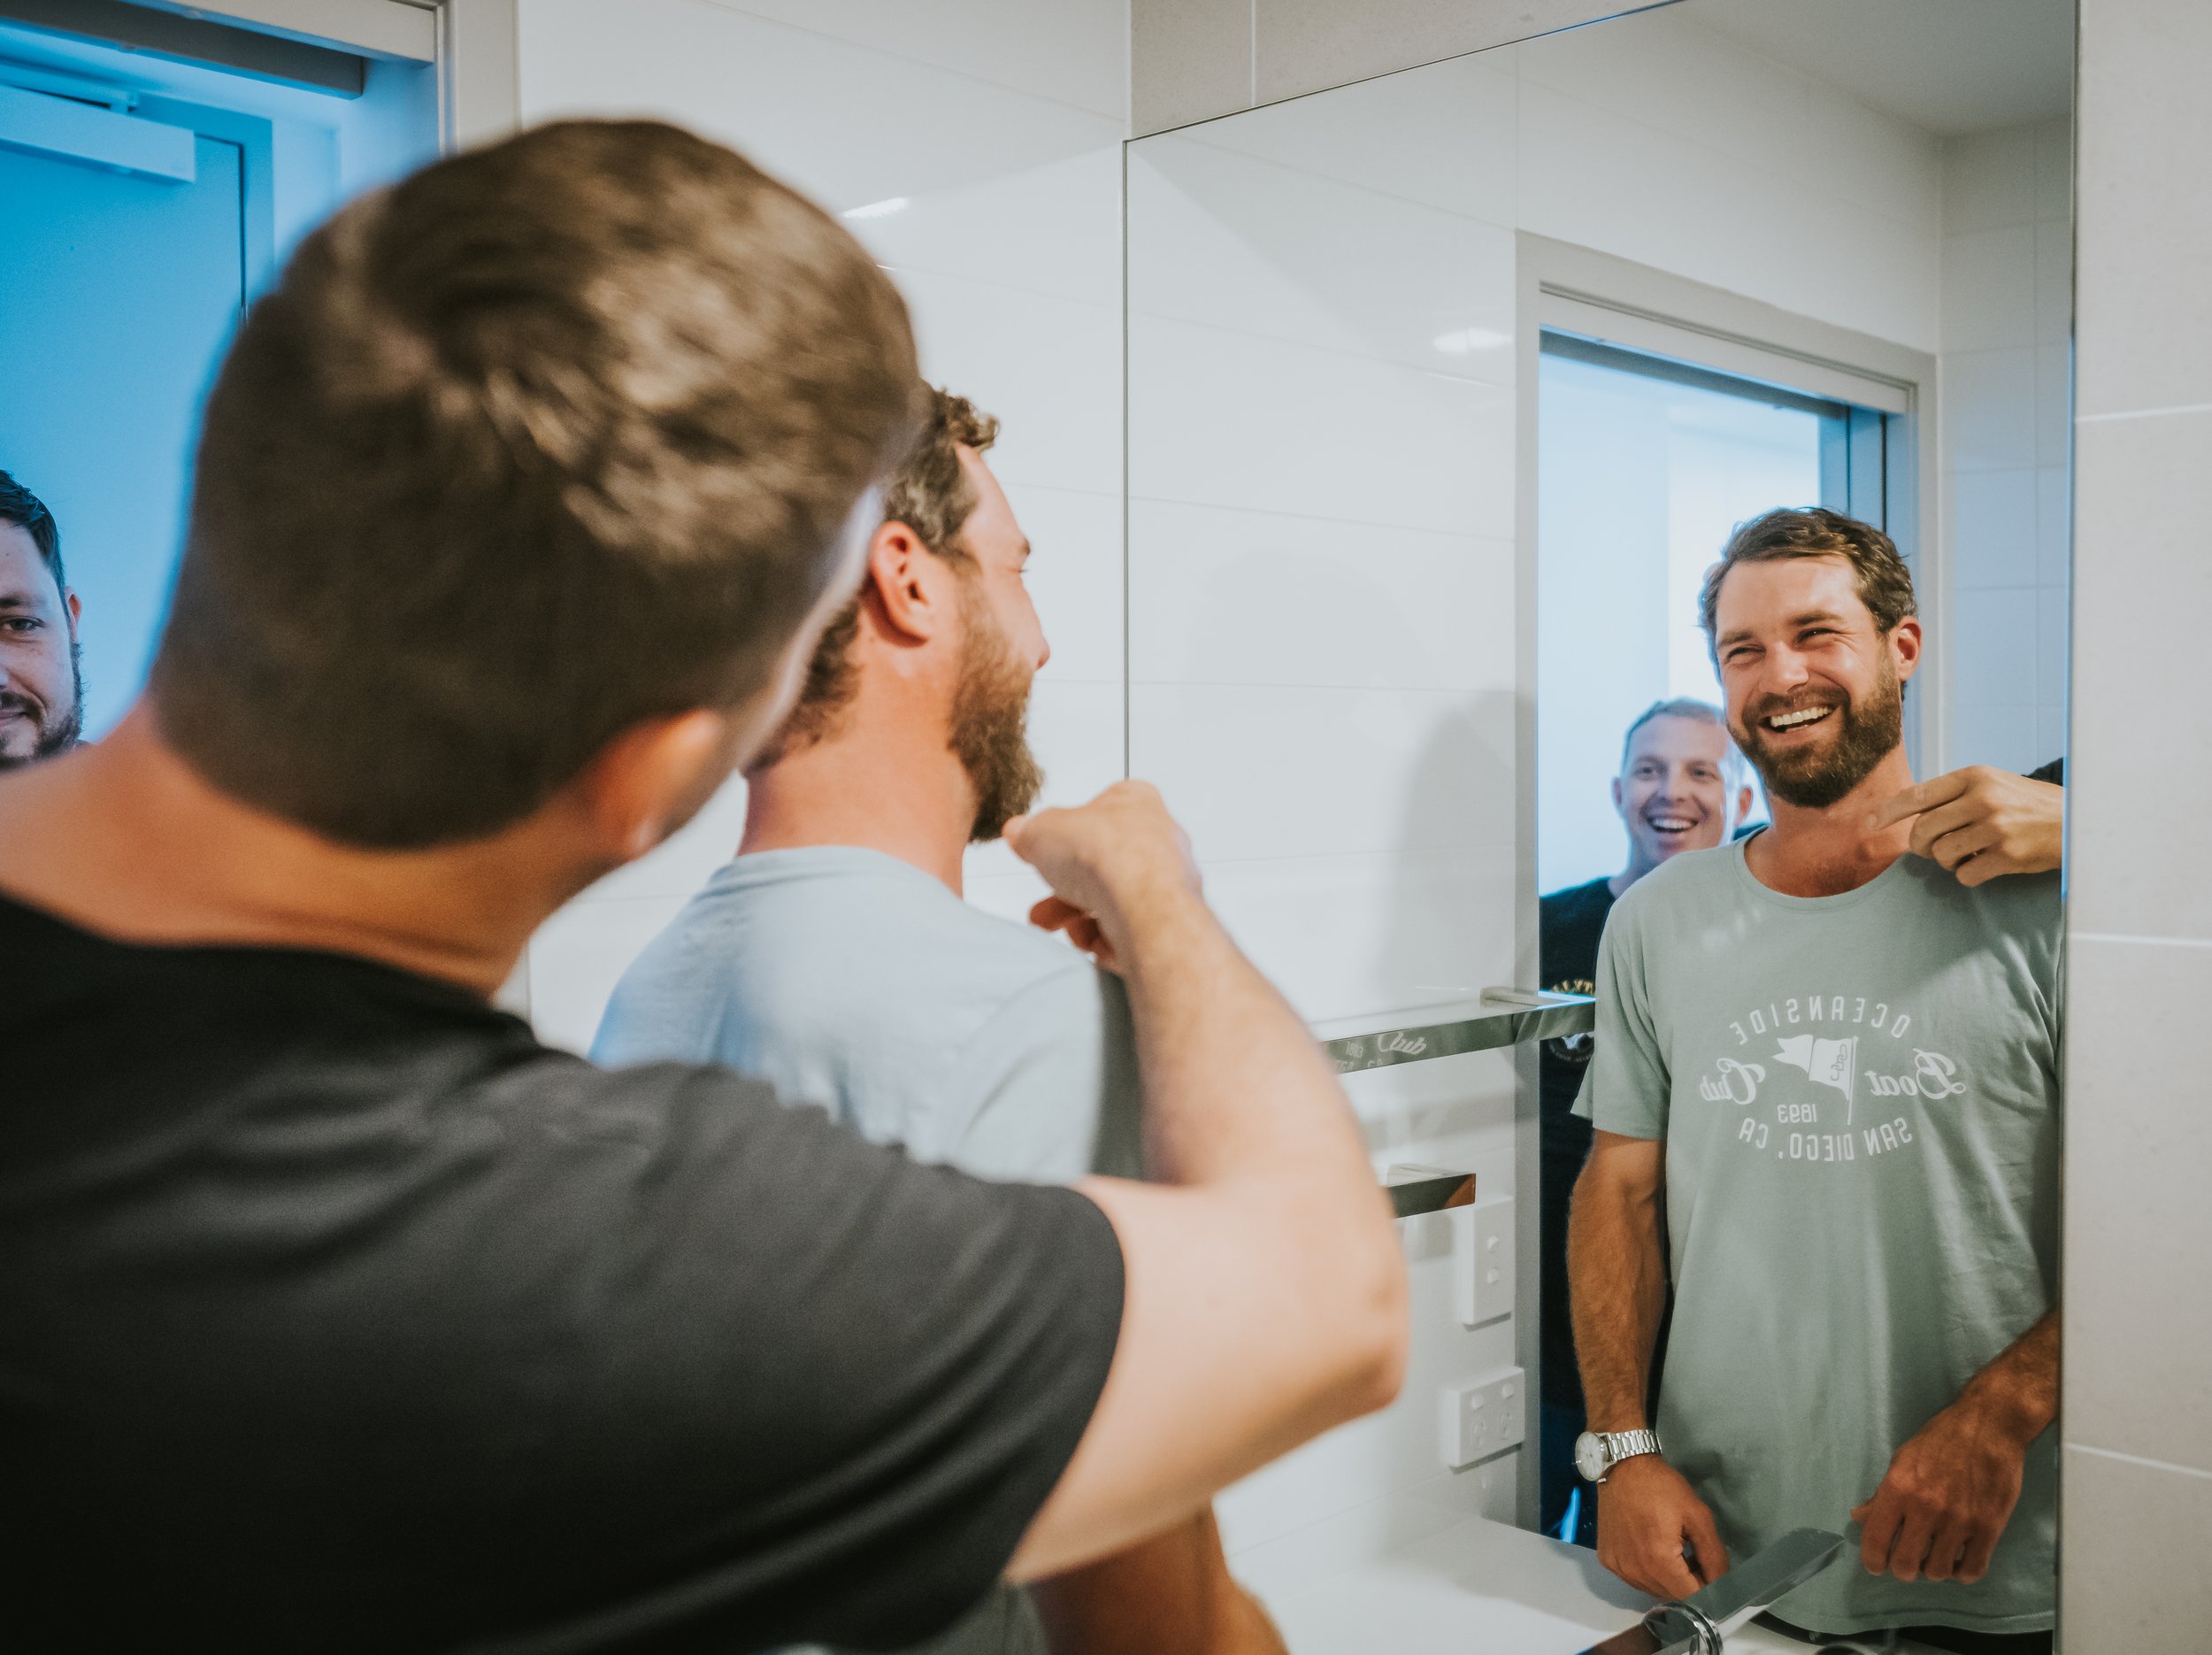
(1483, 1263)
(1484, 1417)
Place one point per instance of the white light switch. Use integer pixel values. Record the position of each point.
(1482, 1268)
(1484, 1417)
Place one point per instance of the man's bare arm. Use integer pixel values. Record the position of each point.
(1648, 1513)
(1265, 1296)
(1982, 823)
(1951, 1489)
(1173, 1595)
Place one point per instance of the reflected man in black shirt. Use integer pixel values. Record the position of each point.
(1682, 786)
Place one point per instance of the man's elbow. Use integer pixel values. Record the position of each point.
(1375, 1354)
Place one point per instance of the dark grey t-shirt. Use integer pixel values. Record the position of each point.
(337, 1312)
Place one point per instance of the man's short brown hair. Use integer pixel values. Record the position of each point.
(552, 437)
(930, 494)
(1885, 583)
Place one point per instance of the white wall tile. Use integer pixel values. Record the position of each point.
(1074, 578)
(1283, 770)
(2054, 609)
(1994, 533)
(2053, 283)
(1990, 289)
(2053, 405)
(2139, 1346)
(1441, 134)
(1227, 419)
(2007, 735)
(2054, 525)
(1265, 598)
(2130, 1586)
(2055, 170)
(580, 954)
(1989, 180)
(1052, 227)
(2052, 734)
(1989, 413)
(1261, 248)
(1074, 51)
(1351, 936)
(1988, 629)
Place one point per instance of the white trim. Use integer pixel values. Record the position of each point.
(2143, 413)
(72, 131)
(376, 29)
(2137, 941)
(2138, 1459)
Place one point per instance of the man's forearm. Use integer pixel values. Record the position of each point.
(2018, 1390)
(1615, 1276)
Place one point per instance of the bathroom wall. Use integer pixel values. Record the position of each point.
(977, 149)
(2007, 316)
(1323, 472)
(2136, 1424)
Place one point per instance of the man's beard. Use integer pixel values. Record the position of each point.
(990, 720)
(58, 737)
(1815, 777)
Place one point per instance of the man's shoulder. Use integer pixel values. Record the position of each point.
(1694, 877)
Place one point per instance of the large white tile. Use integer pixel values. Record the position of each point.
(1989, 412)
(2054, 609)
(1278, 771)
(1989, 180)
(1992, 633)
(847, 125)
(1351, 936)
(2144, 309)
(1075, 579)
(2052, 733)
(1442, 135)
(580, 954)
(1224, 239)
(2055, 170)
(1223, 419)
(2129, 1584)
(2007, 735)
(1663, 69)
(1050, 368)
(1219, 596)
(2053, 403)
(2054, 282)
(2141, 584)
(2139, 1157)
(1994, 535)
(2054, 525)
(1990, 289)
(1074, 51)
(1054, 227)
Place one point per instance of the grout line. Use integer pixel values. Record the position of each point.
(2147, 942)
(2138, 1459)
(2143, 413)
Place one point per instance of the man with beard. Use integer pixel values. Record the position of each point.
(835, 957)
(1830, 1068)
(41, 683)
(1682, 787)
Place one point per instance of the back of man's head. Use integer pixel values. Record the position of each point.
(553, 437)
(1884, 584)
(930, 494)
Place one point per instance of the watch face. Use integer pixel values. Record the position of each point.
(1590, 1456)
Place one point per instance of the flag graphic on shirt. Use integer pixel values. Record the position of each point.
(1828, 1062)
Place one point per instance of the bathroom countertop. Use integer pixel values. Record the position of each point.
(1479, 1588)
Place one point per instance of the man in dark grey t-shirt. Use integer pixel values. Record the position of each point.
(1837, 1063)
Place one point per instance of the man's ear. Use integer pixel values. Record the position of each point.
(1743, 806)
(1616, 793)
(653, 778)
(905, 584)
(1905, 642)
(75, 609)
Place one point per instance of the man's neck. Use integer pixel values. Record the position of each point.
(125, 839)
(869, 786)
(1828, 851)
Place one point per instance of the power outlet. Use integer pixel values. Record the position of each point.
(1483, 1263)
(1484, 1417)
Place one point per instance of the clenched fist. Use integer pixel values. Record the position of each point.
(1647, 1516)
(1110, 863)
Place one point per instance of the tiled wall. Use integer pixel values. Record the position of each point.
(2008, 315)
(1322, 465)
(2136, 1425)
(998, 124)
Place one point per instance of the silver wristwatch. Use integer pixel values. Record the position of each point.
(1597, 1452)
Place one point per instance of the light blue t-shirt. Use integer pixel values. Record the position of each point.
(848, 978)
(1859, 1096)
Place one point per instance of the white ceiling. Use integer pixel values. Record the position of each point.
(1948, 66)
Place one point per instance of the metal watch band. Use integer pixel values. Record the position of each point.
(1621, 1446)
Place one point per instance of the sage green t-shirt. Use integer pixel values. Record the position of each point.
(1859, 1096)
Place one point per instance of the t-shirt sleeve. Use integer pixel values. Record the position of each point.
(1627, 1088)
(778, 1384)
(1049, 1085)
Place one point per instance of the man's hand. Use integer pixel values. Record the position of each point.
(1949, 1493)
(1647, 1514)
(1981, 823)
(1106, 861)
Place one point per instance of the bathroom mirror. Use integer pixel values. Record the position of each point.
(1444, 389)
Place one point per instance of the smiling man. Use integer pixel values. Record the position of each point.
(41, 683)
(1829, 1068)
(1682, 786)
